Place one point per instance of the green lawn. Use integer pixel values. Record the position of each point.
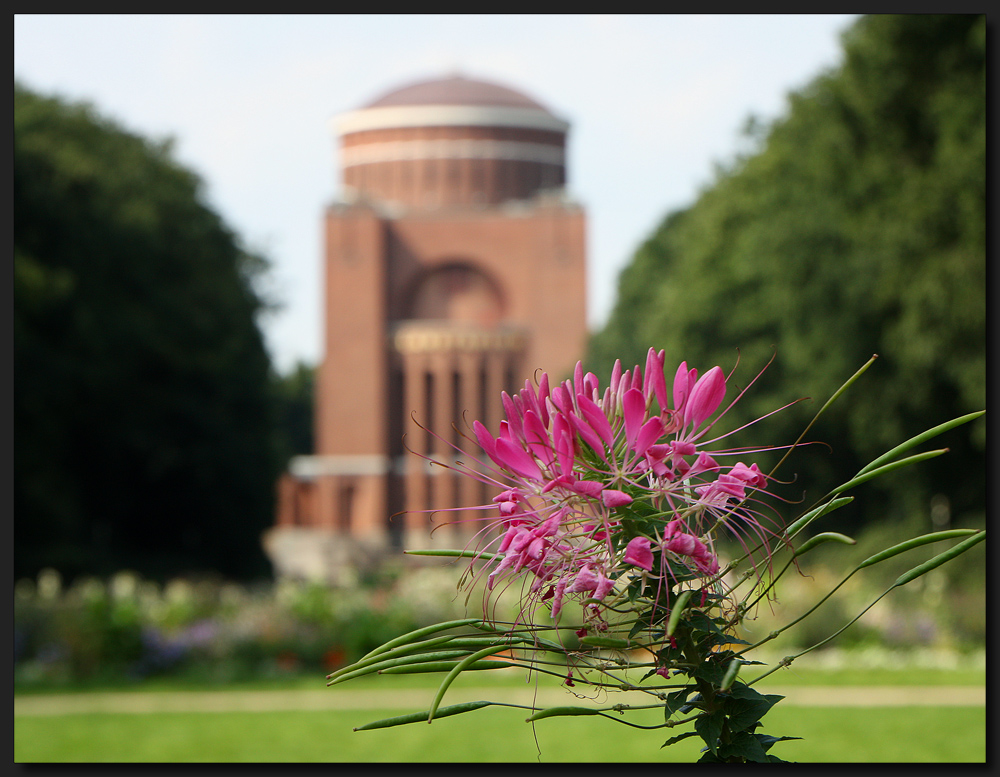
(917, 734)
(499, 734)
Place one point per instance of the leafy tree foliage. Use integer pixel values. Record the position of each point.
(855, 227)
(294, 395)
(144, 422)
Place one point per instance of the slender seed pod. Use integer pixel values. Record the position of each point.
(819, 539)
(916, 542)
(939, 559)
(419, 717)
(676, 611)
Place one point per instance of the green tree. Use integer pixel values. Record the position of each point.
(144, 424)
(856, 226)
(294, 395)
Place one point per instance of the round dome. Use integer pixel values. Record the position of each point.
(451, 142)
(456, 90)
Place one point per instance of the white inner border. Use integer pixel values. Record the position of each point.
(408, 150)
(447, 116)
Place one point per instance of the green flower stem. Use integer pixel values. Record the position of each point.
(902, 580)
(815, 514)
(787, 660)
(829, 402)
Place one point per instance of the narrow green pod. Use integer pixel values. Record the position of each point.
(420, 717)
(444, 666)
(677, 610)
(730, 676)
(418, 633)
(448, 553)
(819, 539)
(554, 712)
(920, 438)
(916, 542)
(396, 652)
(939, 559)
(455, 672)
(378, 666)
(874, 473)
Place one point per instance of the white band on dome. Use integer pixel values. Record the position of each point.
(444, 148)
(447, 116)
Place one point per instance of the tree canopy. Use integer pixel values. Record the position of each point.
(855, 227)
(143, 407)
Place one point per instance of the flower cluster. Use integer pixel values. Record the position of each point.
(597, 483)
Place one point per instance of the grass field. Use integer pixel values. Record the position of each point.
(498, 734)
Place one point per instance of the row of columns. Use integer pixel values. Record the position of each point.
(446, 390)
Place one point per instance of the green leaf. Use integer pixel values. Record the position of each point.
(766, 741)
(679, 738)
(743, 745)
(674, 702)
(746, 706)
(710, 672)
(419, 717)
(709, 727)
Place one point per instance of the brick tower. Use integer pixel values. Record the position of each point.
(454, 269)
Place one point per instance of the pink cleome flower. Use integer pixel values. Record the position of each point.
(571, 460)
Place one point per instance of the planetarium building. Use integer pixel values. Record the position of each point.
(454, 270)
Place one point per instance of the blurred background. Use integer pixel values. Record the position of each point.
(805, 187)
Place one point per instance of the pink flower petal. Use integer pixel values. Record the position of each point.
(613, 498)
(639, 554)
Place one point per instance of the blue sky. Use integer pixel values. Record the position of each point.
(654, 103)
